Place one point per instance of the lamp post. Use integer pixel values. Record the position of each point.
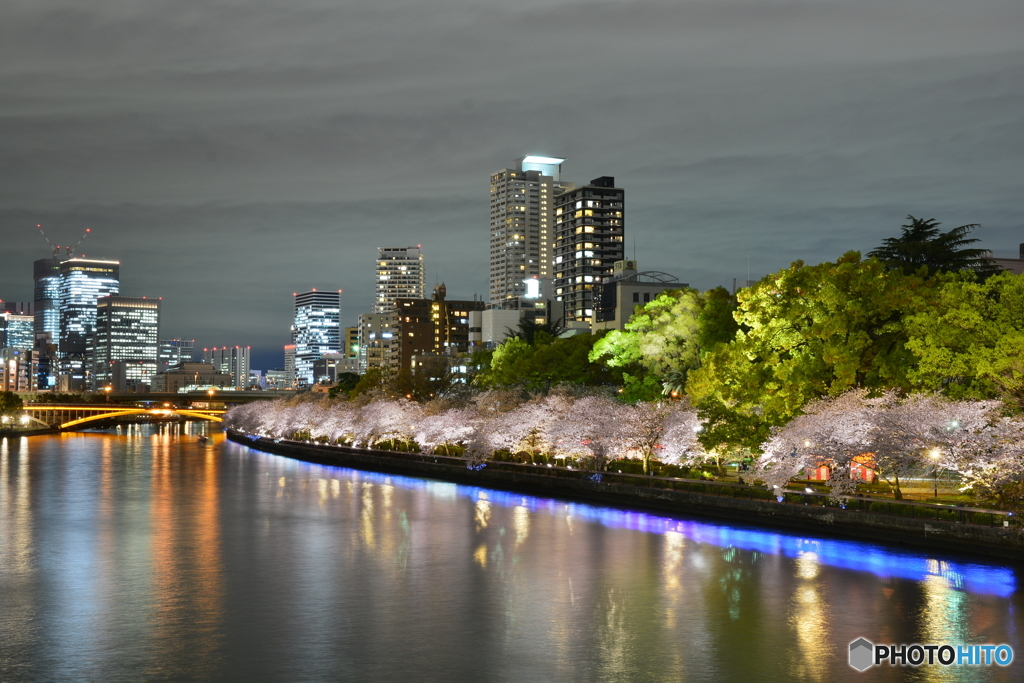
(935, 454)
(106, 390)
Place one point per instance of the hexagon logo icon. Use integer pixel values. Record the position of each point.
(861, 654)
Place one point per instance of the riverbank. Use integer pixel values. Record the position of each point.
(967, 530)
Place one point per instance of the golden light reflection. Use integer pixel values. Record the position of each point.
(335, 488)
(367, 528)
(674, 544)
(323, 486)
(809, 619)
(945, 612)
(482, 514)
(481, 556)
(387, 492)
(521, 523)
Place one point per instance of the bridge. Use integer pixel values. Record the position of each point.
(68, 416)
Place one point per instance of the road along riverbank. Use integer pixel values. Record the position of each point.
(969, 530)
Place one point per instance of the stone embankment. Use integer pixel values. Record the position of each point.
(975, 531)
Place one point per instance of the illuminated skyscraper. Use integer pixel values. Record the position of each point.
(125, 343)
(522, 224)
(46, 306)
(82, 283)
(315, 331)
(231, 360)
(589, 233)
(400, 274)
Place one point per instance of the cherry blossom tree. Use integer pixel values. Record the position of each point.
(643, 425)
(590, 429)
(679, 444)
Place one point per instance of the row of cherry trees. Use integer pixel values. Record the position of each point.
(897, 436)
(589, 429)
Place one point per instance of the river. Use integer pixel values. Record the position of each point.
(146, 555)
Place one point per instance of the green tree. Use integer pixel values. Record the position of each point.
(922, 244)
(971, 343)
(660, 337)
(347, 381)
(527, 329)
(544, 364)
(10, 403)
(806, 332)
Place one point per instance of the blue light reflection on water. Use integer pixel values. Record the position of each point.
(879, 560)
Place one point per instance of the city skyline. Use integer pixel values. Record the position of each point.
(273, 152)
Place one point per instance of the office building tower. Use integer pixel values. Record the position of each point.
(589, 239)
(289, 367)
(175, 352)
(522, 226)
(46, 295)
(232, 360)
(399, 274)
(16, 331)
(82, 283)
(126, 342)
(316, 331)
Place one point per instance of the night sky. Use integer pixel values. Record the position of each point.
(231, 153)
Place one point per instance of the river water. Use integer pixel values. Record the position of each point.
(146, 555)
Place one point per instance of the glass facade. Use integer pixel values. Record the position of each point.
(316, 331)
(82, 283)
(125, 342)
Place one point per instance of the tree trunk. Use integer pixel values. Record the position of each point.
(896, 493)
(647, 463)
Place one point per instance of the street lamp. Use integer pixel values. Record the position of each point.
(935, 454)
(107, 389)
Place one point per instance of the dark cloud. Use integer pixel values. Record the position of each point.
(231, 153)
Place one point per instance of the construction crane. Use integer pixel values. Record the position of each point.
(56, 247)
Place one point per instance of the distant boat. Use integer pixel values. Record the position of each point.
(203, 438)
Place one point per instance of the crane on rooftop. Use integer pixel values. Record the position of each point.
(56, 247)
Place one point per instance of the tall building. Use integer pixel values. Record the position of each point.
(589, 239)
(46, 275)
(126, 342)
(16, 331)
(522, 225)
(399, 274)
(175, 352)
(315, 331)
(82, 283)
(434, 327)
(232, 360)
(374, 340)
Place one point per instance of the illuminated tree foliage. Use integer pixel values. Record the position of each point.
(971, 343)
(806, 332)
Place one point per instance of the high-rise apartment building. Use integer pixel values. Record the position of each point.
(126, 342)
(399, 274)
(429, 327)
(522, 224)
(233, 360)
(589, 239)
(374, 340)
(315, 331)
(81, 284)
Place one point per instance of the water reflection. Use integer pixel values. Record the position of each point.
(147, 555)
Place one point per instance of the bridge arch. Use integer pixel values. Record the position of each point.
(210, 415)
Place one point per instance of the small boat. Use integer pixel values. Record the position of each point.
(203, 438)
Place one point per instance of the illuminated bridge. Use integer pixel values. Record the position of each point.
(74, 415)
